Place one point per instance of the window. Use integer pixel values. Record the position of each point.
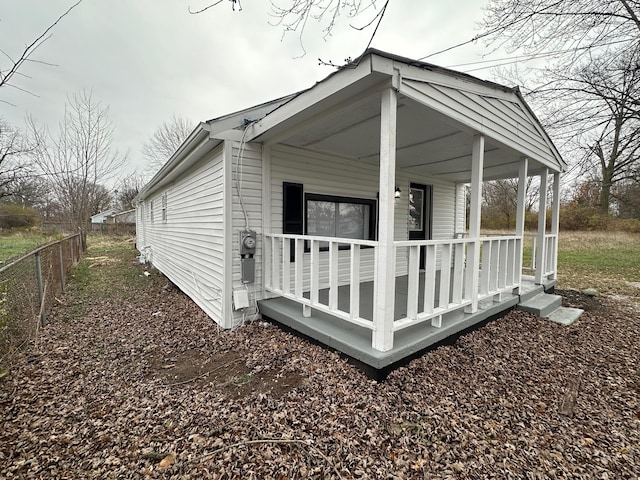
(344, 217)
(151, 212)
(164, 207)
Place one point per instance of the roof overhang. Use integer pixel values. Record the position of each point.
(439, 113)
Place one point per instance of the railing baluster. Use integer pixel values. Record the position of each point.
(486, 268)
(511, 259)
(354, 291)
(445, 275)
(413, 281)
(315, 270)
(502, 279)
(333, 275)
(286, 266)
(275, 271)
(458, 279)
(429, 278)
(299, 280)
(495, 269)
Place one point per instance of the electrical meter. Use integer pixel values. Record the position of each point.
(247, 242)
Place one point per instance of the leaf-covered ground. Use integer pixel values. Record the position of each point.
(139, 383)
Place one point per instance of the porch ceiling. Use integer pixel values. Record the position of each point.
(428, 142)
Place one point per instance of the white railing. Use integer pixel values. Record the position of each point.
(442, 289)
(443, 286)
(499, 272)
(310, 271)
(549, 263)
(551, 255)
(299, 279)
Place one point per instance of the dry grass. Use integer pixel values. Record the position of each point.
(606, 261)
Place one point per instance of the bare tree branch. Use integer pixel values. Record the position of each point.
(6, 75)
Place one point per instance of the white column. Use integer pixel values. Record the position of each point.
(473, 249)
(520, 212)
(385, 258)
(555, 223)
(542, 227)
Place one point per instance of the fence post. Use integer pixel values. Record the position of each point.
(62, 279)
(43, 314)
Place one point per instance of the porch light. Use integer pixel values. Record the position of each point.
(398, 192)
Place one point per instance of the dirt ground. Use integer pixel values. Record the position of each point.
(144, 385)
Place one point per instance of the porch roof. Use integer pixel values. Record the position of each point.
(439, 112)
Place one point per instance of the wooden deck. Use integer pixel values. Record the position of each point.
(355, 341)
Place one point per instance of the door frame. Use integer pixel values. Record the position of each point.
(426, 233)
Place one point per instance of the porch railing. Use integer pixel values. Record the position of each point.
(295, 275)
(549, 263)
(443, 286)
(311, 269)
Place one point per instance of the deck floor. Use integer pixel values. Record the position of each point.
(355, 341)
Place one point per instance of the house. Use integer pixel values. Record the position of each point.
(340, 210)
(102, 216)
(125, 217)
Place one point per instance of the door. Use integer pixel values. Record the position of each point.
(420, 206)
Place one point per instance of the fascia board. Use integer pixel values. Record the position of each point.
(192, 149)
(314, 95)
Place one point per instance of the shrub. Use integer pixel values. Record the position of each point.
(15, 216)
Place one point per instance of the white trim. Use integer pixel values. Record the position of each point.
(383, 312)
(542, 226)
(227, 222)
(266, 209)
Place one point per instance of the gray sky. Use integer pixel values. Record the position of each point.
(150, 59)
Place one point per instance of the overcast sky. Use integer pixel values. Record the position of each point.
(150, 59)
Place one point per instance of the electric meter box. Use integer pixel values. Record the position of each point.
(247, 242)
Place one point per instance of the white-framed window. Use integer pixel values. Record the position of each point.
(164, 207)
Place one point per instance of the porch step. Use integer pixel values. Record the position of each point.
(549, 306)
(542, 304)
(565, 315)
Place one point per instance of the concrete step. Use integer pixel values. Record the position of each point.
(542, 304)
(565, 315)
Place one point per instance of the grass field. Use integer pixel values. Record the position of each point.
(606, 261)
(17, 244)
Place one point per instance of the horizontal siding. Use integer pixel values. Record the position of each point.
(504, 121)
(249, 177)
(330, 175)
(189, 246)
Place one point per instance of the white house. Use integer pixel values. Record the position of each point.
(340, 210)
(102, 216)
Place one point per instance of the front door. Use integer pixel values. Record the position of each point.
(420, 202)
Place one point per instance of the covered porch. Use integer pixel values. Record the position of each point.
(379, 299)
(354, 339)
(429, 305)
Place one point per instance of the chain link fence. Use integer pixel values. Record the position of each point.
(28, 286)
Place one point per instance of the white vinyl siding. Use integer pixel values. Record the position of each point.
(188, 247)
(330, 175)
(250, 176)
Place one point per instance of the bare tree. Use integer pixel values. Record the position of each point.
(586, 79)
(164, 142)
(500, 201)
(567, 32)
(127, 190)
(14, 151)
(592, 109)
(295, 16)
(79, 160)
(16, 62)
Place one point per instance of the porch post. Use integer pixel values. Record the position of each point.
(473, 249)
(520, 211)
(542, 227)
(385, 258)
(555, 224)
